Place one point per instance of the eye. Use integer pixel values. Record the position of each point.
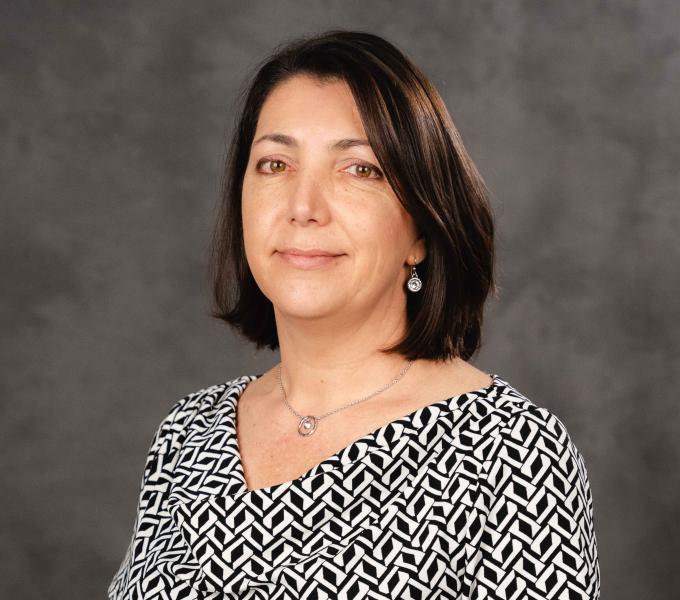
(364, 170)
(270, 162)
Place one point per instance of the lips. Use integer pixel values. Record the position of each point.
(308, 252)
(308, 259)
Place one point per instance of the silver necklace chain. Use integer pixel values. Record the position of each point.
(308, 423)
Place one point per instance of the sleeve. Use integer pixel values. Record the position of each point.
(537, 539)
(153, 523)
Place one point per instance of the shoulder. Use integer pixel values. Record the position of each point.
(535, 499)
(530, 441)
(194, 412)
(521, 419)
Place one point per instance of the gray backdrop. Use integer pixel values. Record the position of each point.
(113, 123)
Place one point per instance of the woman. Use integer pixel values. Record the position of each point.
(374, 461)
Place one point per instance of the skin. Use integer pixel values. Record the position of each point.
(331, 321)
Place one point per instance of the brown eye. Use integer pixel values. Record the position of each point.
(277, 166)
(364, 171)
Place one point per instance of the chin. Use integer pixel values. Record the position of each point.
(306, 306)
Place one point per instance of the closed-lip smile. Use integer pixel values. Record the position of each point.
(309, 252)
(309, 259)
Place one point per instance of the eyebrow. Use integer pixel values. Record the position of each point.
(287, 140)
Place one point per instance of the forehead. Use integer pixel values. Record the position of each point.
(306, 104)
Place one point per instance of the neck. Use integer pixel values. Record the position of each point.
(321, 370)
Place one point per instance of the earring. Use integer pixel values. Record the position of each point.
(415, 283)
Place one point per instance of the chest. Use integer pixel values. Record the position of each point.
(388, 518)
(272, 451)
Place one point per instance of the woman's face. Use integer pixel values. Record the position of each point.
(302, 191)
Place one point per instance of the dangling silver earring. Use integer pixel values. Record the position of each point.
(415, 283)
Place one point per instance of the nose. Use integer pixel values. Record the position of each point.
(309, 197)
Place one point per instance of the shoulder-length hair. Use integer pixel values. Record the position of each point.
(423, 158)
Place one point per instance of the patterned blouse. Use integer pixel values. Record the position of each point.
(479, 496)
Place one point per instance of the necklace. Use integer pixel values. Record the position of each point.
(308, 423)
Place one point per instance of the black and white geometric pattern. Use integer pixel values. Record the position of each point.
(478, 496)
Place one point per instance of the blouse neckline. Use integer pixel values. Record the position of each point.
(384, 437)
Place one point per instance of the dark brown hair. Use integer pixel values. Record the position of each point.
(423, 158)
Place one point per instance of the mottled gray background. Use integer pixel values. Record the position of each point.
(113, 123)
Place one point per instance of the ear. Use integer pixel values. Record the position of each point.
(418, 251)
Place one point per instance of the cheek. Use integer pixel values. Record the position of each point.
(379, 230)
(258, 210)
(250, 223)
(255, 231)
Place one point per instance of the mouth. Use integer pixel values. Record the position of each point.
(307, 259)
(309, 252)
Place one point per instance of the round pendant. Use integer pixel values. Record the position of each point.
(307, 425)
(414, 284)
